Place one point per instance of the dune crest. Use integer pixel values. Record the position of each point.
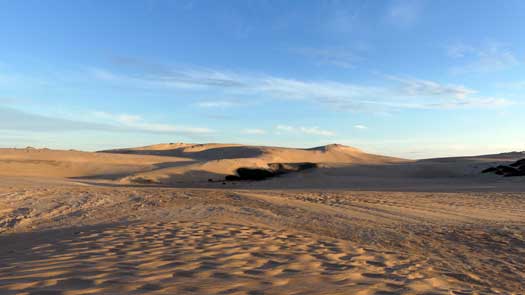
(208, 165)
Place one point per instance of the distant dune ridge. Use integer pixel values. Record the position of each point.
(185, 164)
(176, 161)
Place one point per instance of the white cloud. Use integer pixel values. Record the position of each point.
(484, 102)
(187, 78)
(284, 128)
(316, 131)
(407, 93)
(253, 131)
(137, 123)
(359, 126)
(443, 96)
(423, 88)
(14, 119)
(303, 130)
(18, 120)
(215, 104)
(490, 57)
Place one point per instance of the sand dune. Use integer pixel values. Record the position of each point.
(100, 223)
(171, 163)
(59, 163)
(193, 165)
(334, 153)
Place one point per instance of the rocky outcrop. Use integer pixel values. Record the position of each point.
(515, 169)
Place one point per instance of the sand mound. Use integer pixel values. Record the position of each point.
(172, 163)
(215, 161)
(61, 163)
(213, 151)
(193, 165)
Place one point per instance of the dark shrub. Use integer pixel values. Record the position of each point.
(254, 173)
(275, 169)
(490, 170)
(232, 178)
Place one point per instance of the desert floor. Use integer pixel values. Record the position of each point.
(58, 237)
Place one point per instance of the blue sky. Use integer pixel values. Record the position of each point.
(407, 78)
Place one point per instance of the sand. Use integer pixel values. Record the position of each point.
(361, 224)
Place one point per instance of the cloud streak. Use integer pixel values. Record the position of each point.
(490, 57)
(17, 120)
(216, 104)
(13, 119)
(137, 123)
(405, 93)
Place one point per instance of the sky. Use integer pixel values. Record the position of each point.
(413, 79)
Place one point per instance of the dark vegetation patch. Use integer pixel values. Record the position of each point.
(273, 170)
(515, 169)
(142, 180)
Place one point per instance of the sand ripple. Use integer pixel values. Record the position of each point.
(208, 258)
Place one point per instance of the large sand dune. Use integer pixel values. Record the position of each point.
(173, 164)
(193, 165)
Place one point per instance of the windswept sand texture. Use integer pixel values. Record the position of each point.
(209, 258)
(70, 223)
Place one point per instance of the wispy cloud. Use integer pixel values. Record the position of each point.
(181, 78)
(13, 119)
(303, 130)
(137, 123)
(425, 88)
(490, 57)
(18, 120)
(360, 126)
(216, 104)
(407, 92)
